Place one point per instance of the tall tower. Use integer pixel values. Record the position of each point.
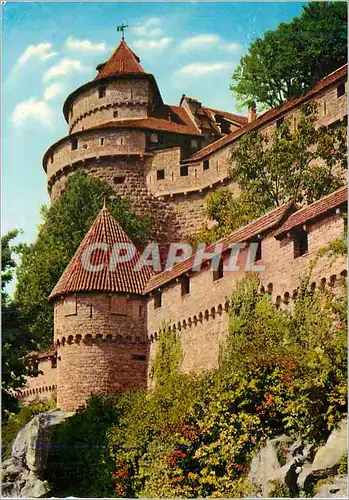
(116, 124)
(100, 319)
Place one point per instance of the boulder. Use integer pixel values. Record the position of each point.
(337, 487)
(29, 455)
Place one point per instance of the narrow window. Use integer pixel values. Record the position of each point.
(185, 285)
(196, 173)
(193, 143)
(325, 107)
(139, 357)
(206, 165)
(154, 137)
(157, 299)
(160, 174)
(115, 113)
(300, 243)
(184, 170)
(53, 362)
(259, 252)
(101, 92)
(74, 143)
(217, 275)
(340, 90)
(52, 157)
(101, 141)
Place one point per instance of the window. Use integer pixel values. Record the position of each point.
(74, 143)
(206, 165)
(300, 243)
(185, 285)
(119, 180)
(101, 141)
(52, 157)
(115, 113)
(184, 170)
(217, 275)
(154, 137)
(279, 122)
(259, 252)
(340, 90)
(53, 362)
(193, 143)
(160, 174)
(157, 299)
(102, 91)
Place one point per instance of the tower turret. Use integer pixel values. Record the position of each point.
(100, 318)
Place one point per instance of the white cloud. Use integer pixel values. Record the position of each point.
(160, 44)
(63, 68)
(208, 41)
(200, 41)
(40, 52)
(149, 28)
(53, 91)
(85, 46)
(197, 69)
(32, 109)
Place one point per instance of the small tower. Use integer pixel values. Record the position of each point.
(100, 319)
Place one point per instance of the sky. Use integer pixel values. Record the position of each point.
(49, 49)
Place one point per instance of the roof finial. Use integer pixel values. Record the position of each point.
(121, 28)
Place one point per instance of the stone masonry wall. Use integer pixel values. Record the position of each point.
(102, 346)
(200, 315)
(124, 175)
(129, 97)
(44, 385)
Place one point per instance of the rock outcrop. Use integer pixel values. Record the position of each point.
(288, 467)
(20, 473)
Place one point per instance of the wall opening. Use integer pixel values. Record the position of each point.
(160, 174)
(340, 90)
(206, 165)
(157, 299)
(184, 171)
(300, 243)
(217, 275)
(102, 91)
(74, 143)
(185, 285)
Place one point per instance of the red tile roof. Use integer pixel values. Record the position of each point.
(76, 278)
(258, 226)
(270, 115)
(315, 210)
(122, 61)
(167, 119)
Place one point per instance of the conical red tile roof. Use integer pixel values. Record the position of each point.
(123, 61)
(123, 278)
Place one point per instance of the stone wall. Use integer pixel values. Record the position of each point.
(44, 385)
(200, 315)
(125, 176)
(102, 346)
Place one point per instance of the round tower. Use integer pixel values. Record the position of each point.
(116, 124)
(100, 319)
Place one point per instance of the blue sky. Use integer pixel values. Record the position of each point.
(49, 49)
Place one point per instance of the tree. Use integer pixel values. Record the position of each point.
(15, 340)
(64, 226)
(288, 61)
(303, 164)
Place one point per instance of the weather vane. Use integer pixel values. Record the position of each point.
(121, 28)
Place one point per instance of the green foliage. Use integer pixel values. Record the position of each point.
(15, 422)
(303, 164)
(64, 226)
(280, 490)
(289, 60)
(15, 339)
(79, 464)
(343, 466)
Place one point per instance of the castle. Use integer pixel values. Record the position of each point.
(165, 160)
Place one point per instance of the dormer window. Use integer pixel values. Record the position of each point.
(193, 143)
(300, 243)
(102, 91)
